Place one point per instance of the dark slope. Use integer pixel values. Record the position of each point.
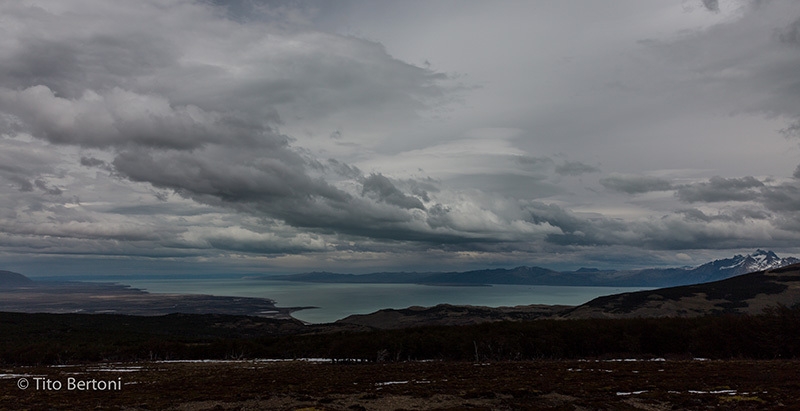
(12, 279)
(446, 315)
(747, 293)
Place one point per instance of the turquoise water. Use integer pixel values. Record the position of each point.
(336, 301)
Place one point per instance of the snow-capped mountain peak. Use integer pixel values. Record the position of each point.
(758, 261)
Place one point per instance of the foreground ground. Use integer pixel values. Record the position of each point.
(690, 384)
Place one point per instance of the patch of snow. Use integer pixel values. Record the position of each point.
(623, 393)
(10, 376)
(635, 360)
(390, 383)
(729, 392)
(314, 360)
(199, 361)
(112, 369)
(590, 369)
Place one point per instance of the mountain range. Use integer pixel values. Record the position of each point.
(651, 277)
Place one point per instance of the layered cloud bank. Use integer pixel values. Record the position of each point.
(275, 136)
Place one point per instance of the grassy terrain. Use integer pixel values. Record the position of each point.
(506, 385)
(750, 362)
(32, 339)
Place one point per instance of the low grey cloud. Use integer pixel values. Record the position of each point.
(228, 176)
(685, 229)
(534, 163)
(280, 188)
(119, 117)
(711, 5)
(792, 130)
(782, 198)
(42, 185)
(635, 184)
(26, 167)
(385, 190)
(734, 215)
(719, 189)
(575, 168)
(790, 34)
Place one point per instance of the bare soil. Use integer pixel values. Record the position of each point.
(675, 384)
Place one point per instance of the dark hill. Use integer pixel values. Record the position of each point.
(747, 293)
(11, 279)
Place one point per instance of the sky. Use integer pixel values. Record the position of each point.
(196, 137)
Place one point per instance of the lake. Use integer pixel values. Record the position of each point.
(336, 301)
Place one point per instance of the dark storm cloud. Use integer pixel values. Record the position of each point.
(735, 215)
(119, 117)
(421, 188)
(26, 168)
(792, 130)
(42, 185)
(772, 76)
(782, 198)
(583, 231)
(635, 184)
(279, 188)
(711, 5)
(790, 34)
(384, 190)
(15, 175)
(556, 216)
(686, 229)
(61, 62)
(96, 163)
(344, 170)
(719, 189)
(229, 176)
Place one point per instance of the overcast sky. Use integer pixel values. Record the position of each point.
(178, 136)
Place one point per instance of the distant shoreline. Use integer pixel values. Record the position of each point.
(454, 285)
(107, 298)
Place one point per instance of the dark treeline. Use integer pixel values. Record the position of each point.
(54, 338)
